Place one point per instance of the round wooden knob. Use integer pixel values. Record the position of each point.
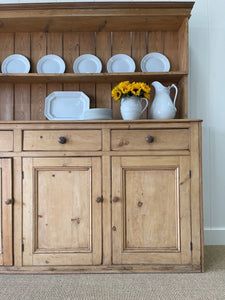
(140, 204)
(99, 199)
(8, 201)
(62, 140)
(150, 139)
(115, 199)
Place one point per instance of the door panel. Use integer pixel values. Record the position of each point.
(153, 210)
(149, 191)
(62, 208)
(6, 212)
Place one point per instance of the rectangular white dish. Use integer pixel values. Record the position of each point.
(66, 105)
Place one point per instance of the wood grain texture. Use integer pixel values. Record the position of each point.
(87, 46)
(97, 16)
(121, 44)
(6, 140)
(139, 50)
(75, 140)
(54, 46)
(71, 51)
(17, 210)
(72, 219)
(171, 49)
(22, 91)
(162, 139)
(183, 46)
(6, 90)
(38, 91)
(127, 212)
(196, 193)
(103, 52)
(7, 217)
(138, 236)
(78, 221)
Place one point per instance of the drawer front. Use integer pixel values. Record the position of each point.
(65, 140)
(158, 139)
(6, 140)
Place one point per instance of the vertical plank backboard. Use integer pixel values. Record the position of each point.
(6, 89)
(155, 41)
(87, 46)
(22, 91)
(121, 44)
(38, 91)
(71, 50)
(54, 46)
(103, 52)
(171, 49)
(139, 50)
(155, 44)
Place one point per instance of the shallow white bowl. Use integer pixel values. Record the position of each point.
(98, 114)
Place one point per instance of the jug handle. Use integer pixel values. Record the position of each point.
(176, 91)
(146, 105)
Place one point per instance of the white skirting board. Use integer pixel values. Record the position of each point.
(214, 236)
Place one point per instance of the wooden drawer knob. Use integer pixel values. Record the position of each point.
(62, 140)
(150, 139)
(115, 199)
(99, 199)
(8, 201)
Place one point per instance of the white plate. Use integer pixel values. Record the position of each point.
(15, 63)
(98, 114)
(120, 63)
(87, 63)
(66, 105)
(51, 64)
(155, 62)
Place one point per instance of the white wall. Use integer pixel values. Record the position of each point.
(207, 90)
(206, 101)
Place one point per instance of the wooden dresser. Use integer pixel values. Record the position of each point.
(97, 196)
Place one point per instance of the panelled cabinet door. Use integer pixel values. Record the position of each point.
(62, 218)
(151, 210)
(6, 211)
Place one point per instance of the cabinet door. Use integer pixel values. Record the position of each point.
(151, 210)
(6, 212)
(61, 218)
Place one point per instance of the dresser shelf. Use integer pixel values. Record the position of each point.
(90, 77)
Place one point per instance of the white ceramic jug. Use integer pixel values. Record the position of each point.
(131, 107)
(162, 106)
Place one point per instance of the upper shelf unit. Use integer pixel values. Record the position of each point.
(103, 29)
(97, 17)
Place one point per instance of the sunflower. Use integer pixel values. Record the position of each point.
(136, 88)
(116, 94)
(145, 88)
(147, 96)
(124, 87)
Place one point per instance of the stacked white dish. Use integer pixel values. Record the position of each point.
(98, 114)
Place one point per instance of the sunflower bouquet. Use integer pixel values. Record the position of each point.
(127, 89)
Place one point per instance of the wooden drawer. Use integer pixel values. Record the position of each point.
(75, 140)
(162, 139)
(6, 140)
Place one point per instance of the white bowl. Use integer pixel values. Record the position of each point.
(98, 114)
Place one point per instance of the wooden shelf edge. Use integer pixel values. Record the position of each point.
(90, 77)
(97, 5)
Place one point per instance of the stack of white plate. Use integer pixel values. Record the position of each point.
(98, 114)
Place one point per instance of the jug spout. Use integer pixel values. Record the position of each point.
(157, 85)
